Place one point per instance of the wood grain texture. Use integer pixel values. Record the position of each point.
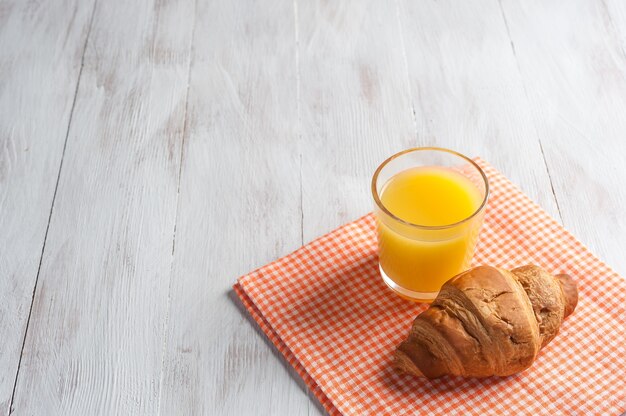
(239, 208)
(571, 56)
(467, 91)
(355, 107)
(95, 340)
(41, 47)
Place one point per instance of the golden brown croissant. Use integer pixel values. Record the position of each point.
(487, 321)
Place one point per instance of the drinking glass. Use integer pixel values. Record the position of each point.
(415, 260)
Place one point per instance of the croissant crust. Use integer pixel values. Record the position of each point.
(487, 321)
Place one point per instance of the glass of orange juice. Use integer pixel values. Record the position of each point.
(429, 205)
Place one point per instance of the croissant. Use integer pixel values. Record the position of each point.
(487, 322)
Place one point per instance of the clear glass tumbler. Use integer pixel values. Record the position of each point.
(415, 258)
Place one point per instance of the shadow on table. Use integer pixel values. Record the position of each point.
(342, 304)
(403, 383)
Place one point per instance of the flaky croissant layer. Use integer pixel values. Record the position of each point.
(487, 321)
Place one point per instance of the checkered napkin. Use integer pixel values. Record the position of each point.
(329, 313)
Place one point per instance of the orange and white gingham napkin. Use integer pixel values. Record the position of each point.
(327, 310)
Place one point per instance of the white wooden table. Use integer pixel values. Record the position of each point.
(151, 152)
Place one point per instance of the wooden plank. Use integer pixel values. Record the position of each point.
(613, 13)
(571, 56)
(467, 91)
(355, 107)
(458, 77)
(239, 208)
(95, 341)
(40, 60)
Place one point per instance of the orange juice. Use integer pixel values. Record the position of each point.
(436, 236)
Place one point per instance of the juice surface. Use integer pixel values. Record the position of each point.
(428, 196)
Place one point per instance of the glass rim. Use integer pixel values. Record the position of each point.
(428, 227)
